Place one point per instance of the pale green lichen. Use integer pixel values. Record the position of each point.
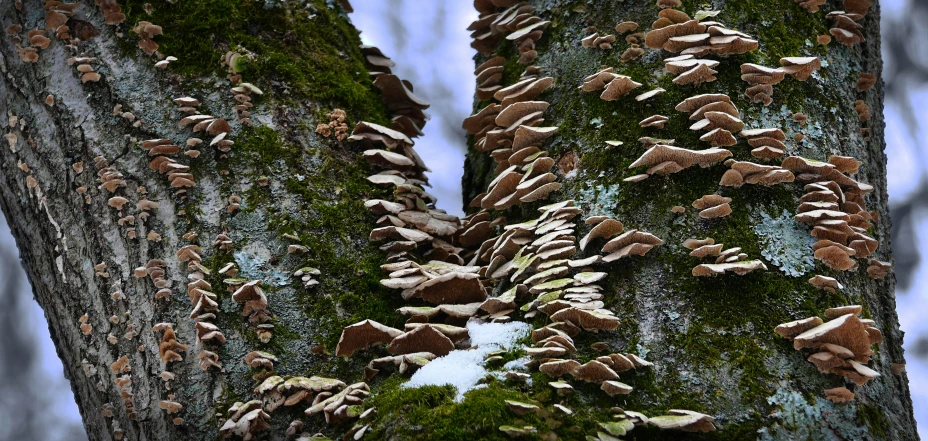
(819, 420)
(786, 243)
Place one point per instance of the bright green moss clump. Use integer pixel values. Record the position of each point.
(303, 49)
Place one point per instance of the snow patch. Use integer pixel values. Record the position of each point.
(464, 368)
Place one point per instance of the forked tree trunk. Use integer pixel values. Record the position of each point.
(711, 339)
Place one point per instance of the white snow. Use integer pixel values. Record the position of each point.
(464, 368)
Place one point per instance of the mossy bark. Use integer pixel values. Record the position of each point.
(307, 62)
(712, 339)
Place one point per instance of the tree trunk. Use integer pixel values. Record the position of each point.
(287, 197)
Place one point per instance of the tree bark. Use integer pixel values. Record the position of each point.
(711, 340)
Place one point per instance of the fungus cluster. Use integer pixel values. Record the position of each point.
(744, 172)
(834, 207)
(845, 27)
(336, 125)
(489, 77)
(242, 94)
(676, 32)
(664, 160)
(334, 399)
(255, 308)
(155, 270)
(205, 303)
(767, 143)
(85, 69)
(516, 23)
(245, 420)
(633, 39)
(112, 13)
(713, 206)
(840, 346)
(595, 40)
(730, 260)
(762, 79)
(28, 48)
(146, 32)
(613, 85)
(714, 114)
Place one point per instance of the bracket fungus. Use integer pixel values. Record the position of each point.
(740, 268)
(245, 420)
(713, 206)
(800, 68)
(362, 335)
(654, 121)
(630, 243)
(169, 349)
(683, 420)
(845, 27)
(665, 159)
(825, 283)
(614, 86)
(841, 346)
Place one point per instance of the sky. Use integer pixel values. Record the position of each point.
(430, 44)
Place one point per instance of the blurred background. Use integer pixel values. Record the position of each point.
(431, 46)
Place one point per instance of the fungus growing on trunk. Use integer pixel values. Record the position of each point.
(683, 420)
(665, 159)
(739, 268)
(362, 335)
(713, 206)
(825, 283)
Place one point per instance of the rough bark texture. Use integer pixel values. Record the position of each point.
(316, 191)
(711, 339)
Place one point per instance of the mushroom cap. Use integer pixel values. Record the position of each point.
(740, 268)
(692, 244)
(452, 288)
(719, 137)
(709, 201)
(716, 212)
(422, 339)
(839, 395)
(693, 103)
(700, 73)
(846, 331)
(362, 335)
(607, 228)
(656, 38)
(516, 111)
(791, 329)
(619, 87)
(614, 388)
(832, 313)
(589, 320)
(683, 157)
(684, 420)
(631, 237)
(594, 371)
(558, 367)
(823, 282)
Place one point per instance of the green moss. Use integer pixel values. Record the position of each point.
(429, 412)
(302, 50)
(874, 419)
